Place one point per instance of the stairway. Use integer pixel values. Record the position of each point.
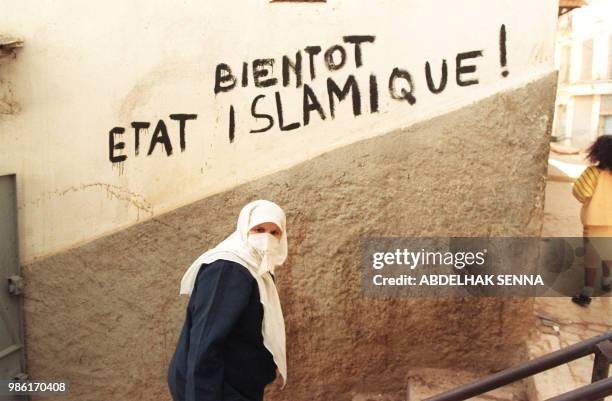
(427, 382)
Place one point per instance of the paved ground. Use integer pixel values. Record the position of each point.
(561, 322)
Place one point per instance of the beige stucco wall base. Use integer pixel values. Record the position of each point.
(106, 315)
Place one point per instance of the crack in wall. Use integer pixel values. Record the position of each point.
(114, 191)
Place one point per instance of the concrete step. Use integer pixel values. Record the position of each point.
(429, 382)
(564, 378)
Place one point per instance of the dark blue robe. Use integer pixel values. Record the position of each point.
(220, 354)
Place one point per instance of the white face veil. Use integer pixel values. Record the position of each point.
(237, 249)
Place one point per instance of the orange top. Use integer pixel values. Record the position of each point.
(594, 189)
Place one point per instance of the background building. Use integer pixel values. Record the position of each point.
(584, 58)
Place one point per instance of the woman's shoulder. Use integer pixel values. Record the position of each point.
(592, 172)
(228, 267)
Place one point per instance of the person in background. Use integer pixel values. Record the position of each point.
(594, 190)
(233, 338)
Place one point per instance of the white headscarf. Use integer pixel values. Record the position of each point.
(236, 248)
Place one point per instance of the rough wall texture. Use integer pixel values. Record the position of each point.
(107, 315)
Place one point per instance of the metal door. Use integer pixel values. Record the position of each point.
(12, 355)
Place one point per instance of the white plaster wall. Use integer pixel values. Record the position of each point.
(89, 66)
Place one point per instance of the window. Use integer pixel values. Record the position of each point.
(607, 125)
(610, 57)
(564, 68)
(586, 72)
(605, 112)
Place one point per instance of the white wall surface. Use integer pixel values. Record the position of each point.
(87, 67)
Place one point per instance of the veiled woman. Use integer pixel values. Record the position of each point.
(233, 338)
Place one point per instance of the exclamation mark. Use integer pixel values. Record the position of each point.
(502, 51)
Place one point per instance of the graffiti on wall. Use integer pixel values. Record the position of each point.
(400, 82)
(299, 70)
(160, 137)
